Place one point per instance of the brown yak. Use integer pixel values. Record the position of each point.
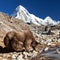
(20, 40)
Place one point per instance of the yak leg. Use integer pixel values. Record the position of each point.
(28, 45)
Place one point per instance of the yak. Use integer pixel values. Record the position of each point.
(19, 41)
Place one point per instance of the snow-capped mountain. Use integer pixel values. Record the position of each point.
(23, 14)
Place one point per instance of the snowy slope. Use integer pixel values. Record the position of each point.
(23, 14)
(49, 21)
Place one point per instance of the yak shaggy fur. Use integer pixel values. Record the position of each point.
(20, 40)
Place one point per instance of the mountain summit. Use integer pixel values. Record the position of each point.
(23, 14)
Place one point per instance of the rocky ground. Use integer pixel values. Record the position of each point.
(49, 42)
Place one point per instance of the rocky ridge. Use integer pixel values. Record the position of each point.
(44, 38)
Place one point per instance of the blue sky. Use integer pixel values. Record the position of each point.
(40, 8)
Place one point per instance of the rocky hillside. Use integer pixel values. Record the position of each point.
(47, 36)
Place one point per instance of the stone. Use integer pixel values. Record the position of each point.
(20, 57)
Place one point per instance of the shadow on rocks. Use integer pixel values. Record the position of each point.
(6, 50)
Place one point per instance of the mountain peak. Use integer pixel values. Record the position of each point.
(48, 17)
(21, 8)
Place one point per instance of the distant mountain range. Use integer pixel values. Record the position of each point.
(23, 14)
